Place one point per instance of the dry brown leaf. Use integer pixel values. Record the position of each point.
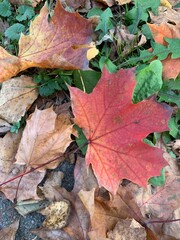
(84, 179)
(47, 137)
(109, 3)
(9, 232)
(173, 228)
(106, 213)
(122, 2)
(127, 229)
(4, 127)
(53, 180)
(47, 234)
(57, 214)
(64, 44)
(32, 3)
(8, 149)
(165, 15)
(22, 188)
(16, 96)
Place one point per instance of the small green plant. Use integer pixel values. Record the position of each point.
(48, 83)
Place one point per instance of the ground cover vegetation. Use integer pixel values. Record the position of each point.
(95, 83)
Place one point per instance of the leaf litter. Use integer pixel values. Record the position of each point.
(112, 198)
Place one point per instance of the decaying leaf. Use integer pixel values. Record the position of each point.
(47, 137)
(57, 214)
(115, 127)
(8, 148)
(4, 127)
(22, 188)
(16, 96)
(84, 179)
(127, 229)
(51, 44)
(107, 2)
(9, 232)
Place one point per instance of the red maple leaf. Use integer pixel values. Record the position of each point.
(115, 128)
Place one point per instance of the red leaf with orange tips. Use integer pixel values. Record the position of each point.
(115, 128)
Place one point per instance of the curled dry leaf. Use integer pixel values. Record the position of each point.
(115, 127)
(122, 2)
(45, 137)
(64, 44)
(4, 127)
(16, 96)
(9, 232)
(109, 3)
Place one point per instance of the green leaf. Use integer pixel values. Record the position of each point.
(174, 46)
(81, 140)
(15, 127)
(105, 23)
(25, 13)
(160, 51)
(172, 124)
(86, 80)
(94, 12)
(169, 93)
(111, 67)
(158, 181)
(14, 31)
(149, 81)
(5, 8)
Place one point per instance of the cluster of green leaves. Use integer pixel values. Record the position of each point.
(18, 21)
(49, 82)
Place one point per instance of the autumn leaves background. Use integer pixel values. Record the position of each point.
(113, 125)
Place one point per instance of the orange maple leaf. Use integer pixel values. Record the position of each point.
(51, 44)
(159, 32)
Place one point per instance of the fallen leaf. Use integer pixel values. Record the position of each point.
(47, 137)
(78, 223)
(16, 96)
(9, 232)
(32, 3)
(159, 32)
(83, 179)
(165, 15)
(122, 2)
(115, 127)
(127, 229)
(109, 3)
(8, 149)
(4, 127)
(105, 213)
(53, 180)
(64, 45)
(22, 188)
(166, 3)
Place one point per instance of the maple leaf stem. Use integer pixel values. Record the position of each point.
(163, 221)
(44, 164)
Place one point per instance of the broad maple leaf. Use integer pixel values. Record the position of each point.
(159, 32)
(51, 44)
(115, 128)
